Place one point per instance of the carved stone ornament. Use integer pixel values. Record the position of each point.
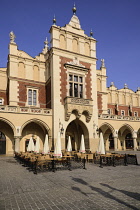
(12, 37)
(75, 62)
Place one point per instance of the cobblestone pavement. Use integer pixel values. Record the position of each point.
(94, 188)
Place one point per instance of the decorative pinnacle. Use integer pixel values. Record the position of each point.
(74, 9)
(125, 86)
(91, 33)
(102, 63)
(54, 20)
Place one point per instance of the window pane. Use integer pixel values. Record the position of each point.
(75, 90)
(70, 89)
(70, 77)
(34, 97)
(75, 78)
(81, 91)
(30, 97)
(80, 79)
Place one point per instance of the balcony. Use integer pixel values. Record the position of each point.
(119, 117)
(25, 110)
(78, 106)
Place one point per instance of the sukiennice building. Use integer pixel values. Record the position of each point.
(61, 90)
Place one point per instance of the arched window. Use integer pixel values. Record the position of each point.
(21, 70)
(87, 49)
(36, 73)
(62, 42)
(75, 45)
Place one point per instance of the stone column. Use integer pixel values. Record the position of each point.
(115, 135)
(135, 143)
(17, 144)
(134, 139)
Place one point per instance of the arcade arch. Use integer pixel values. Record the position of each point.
(75, 129)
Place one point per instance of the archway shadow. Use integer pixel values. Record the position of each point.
(103, 193)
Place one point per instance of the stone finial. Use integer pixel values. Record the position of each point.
(12, 37)
(54, 20)
(46, 47)
(74, 9)
(102, 63)
(138, 89)
(91, 33)
(125, 86)
(112, 84)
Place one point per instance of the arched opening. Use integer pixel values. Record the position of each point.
(75, 129)
(129, 141)
(34, 130)
(111, 142)
(2, 143)
(7, 137)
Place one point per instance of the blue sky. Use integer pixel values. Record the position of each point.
(115, 24)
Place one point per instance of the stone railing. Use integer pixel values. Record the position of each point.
(78, 101)
(118, 117)
(25, 110)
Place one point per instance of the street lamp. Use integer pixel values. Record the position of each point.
(61, 128)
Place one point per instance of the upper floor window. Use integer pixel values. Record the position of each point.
(1, 101)
(109, 111)
(122, 112)
(32, 97)
(136, 114)
(75, 86)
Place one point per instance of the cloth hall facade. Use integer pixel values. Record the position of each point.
(61, 90)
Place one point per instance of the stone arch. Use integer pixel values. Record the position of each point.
(107, 131)
(62, 41)
(123, 131)
(76, 113)
(9, 123)
(35, 128)
(40, 122)
(75, 129)
(87, 115)
(9, 130)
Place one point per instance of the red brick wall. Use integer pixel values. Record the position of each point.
(4, 96)
(23, 93)
(125, 108)
(100, 104)
(63, 78)
(48, 94)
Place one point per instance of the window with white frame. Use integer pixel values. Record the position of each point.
(136, 114)
(122, 112)
(32, 97)
(109, 111)
(1, 101)
(75, 85)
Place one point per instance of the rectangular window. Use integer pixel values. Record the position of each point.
(136, 114)
(1, 101)
(122, 112)
(32, 97)
(109, 111)
(76, 86)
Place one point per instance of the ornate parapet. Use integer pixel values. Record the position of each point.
(78, 106)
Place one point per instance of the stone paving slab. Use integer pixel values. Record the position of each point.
(94, 188)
